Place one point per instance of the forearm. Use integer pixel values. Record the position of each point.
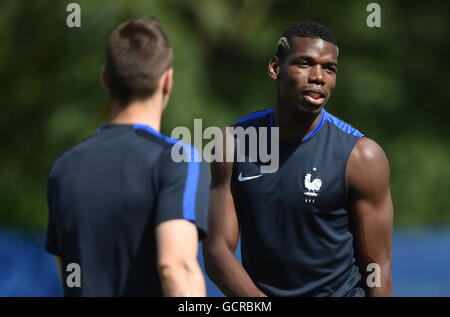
(182, 280)
(229, 275)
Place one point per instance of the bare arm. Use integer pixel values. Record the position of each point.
(58, 261)
(372, 209)
(178, 268)
(218, 248)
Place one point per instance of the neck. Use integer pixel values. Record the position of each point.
(294, 125)
(148, 111)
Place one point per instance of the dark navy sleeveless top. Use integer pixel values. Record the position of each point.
(296, 235)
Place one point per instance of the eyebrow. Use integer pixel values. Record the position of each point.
(311, 59)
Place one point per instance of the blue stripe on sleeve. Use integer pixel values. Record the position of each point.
(193, 172)
(190, 190)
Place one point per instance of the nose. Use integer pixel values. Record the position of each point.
(316, 75)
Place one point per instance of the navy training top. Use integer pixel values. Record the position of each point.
(296, 230)
(106, 196)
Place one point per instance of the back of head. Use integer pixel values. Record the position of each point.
(137, 54)
(308, 29)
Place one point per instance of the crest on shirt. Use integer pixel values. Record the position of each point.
(312, 186)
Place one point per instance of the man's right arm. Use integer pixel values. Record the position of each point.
(180, 221)
(178, 268)
(218, 248)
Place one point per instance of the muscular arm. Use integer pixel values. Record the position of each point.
(218, 248)
(179, 271)
(371, 204)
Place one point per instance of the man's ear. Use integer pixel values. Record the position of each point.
(167, 81)
(274, 68)
(103, 78)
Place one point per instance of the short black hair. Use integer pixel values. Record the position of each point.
(309, 29)
(138, 53)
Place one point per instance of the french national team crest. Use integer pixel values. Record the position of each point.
(312, 186)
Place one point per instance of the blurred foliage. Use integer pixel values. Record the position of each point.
(392, 84)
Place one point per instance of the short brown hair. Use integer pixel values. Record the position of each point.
(138, 53)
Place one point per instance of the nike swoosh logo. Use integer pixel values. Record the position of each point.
(247, 178)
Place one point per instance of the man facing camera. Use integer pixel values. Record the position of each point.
(314, 226)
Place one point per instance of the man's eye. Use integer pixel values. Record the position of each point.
(303, 64)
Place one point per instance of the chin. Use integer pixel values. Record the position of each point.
(307, 108)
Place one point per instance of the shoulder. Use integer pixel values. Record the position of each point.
(66, 156)
(341, 125)
(158, 146)
(154, 136)
(255, 118)
(182, 159)
(368, 153)
(367, 167)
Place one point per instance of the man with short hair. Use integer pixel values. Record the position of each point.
(119, 206)
(312, 227)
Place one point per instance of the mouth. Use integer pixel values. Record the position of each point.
(314, 96)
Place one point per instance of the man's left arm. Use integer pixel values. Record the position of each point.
(367, 177)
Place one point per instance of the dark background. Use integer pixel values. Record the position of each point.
(392, 85)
